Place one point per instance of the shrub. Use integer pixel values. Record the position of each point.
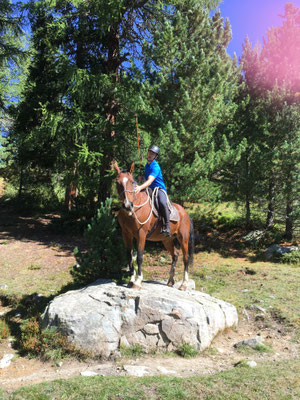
(48, 344)
(105, 257)
(132, 351)
(4, 330)
(187, 351)
(291, 258)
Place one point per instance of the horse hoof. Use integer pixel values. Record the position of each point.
(137, 287)
(170, 283)
(182, 287)
(130, 285)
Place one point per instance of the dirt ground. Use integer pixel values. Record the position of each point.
(220, 357)
(30, 245)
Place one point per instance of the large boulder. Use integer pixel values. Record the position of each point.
(277, 251)
(103, 316)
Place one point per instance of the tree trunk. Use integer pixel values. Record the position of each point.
(71, 192)
(271, 200)
(289, 223)
(113, 65)
(248, 192)
(20, 191)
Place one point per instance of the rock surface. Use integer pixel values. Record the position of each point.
(277, 251)
(102, 316)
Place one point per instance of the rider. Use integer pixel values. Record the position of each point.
(153, 179)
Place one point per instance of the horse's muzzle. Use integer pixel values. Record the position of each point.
(128, 206)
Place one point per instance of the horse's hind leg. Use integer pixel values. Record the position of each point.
(169, 245)
(184, 247)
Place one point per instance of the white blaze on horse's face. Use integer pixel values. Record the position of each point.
(127, 203)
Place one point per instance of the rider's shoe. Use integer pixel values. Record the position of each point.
(165, 231)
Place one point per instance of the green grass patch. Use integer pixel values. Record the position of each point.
(268, 381)
(187, 351)
(251, 285)
(261, 348)
(132, 351)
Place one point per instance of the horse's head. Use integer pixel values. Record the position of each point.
(125, 186)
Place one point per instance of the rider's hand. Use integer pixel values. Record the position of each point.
(137, 189)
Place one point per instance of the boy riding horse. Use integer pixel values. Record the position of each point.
(154, 179)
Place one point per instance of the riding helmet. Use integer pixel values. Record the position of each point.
(155, 149)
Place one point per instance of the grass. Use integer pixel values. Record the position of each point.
(187, 351)
(224, 269)
(273, 287)
(270, 381)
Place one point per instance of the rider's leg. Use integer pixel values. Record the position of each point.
(164, 212)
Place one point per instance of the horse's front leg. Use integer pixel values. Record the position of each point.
(128, 239)
(140, 251)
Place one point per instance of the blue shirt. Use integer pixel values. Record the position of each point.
(154, 170)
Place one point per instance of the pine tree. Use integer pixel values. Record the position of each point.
(271, 126)
(105, 256)
(187, 95)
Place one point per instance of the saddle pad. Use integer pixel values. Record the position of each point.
(174, 215)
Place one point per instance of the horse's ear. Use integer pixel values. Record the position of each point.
(115, 165)
(131, 168)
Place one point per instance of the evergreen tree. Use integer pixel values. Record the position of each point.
(188, 93)
(271, 126)
(105, 256)
(13, 62)
(10, 51)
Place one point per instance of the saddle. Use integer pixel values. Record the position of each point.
(174, 215)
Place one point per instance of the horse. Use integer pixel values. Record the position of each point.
(137, 220)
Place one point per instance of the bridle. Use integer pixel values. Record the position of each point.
(134, 184)
(129, 191)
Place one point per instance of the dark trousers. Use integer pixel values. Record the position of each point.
(163, 207)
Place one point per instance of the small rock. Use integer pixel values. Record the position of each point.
(3, 287)
(245, 290)
(251, 364)
(256, 307)
(88, 373)
(246, 314)
(165, 371)
(252, 342)
(6, 360)
(219, 350)
(124, 342)
(136, 370)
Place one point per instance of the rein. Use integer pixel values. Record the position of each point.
(139, 205)
(151, 200)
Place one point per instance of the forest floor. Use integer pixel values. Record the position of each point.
(35, 259)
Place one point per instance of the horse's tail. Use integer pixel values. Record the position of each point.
(191, 243)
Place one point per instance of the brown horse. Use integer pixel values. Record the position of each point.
(138, 221)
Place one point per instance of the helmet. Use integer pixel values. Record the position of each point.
(155, 149)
